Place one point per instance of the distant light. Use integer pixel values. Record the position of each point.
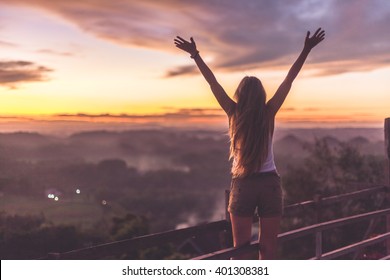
(56, 198)
(50, 195)
(104, 202)
(78, 191)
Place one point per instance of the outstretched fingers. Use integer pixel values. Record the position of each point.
(180, 40)
(320, 34)
(317, 31)
(185, 45)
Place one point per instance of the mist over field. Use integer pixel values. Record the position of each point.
(147, 153)
(169, 178)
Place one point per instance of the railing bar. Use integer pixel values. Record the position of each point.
(356, 194)
(330, 224)
(353, 247)
(385, 258)
(337, 198)
(229, 252)
(141, 242)
(298, 206)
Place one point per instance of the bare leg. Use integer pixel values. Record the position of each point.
(242, 232)
(268, 239)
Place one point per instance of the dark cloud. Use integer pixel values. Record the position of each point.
(181, 70)
(241, 34)
(13, 73)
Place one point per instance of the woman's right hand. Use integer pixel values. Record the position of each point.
(186, 46)
(311, 42)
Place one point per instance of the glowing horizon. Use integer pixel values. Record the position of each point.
(98, 61)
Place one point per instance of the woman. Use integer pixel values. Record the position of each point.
(255, 181)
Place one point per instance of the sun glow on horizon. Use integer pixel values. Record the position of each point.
(91, 75)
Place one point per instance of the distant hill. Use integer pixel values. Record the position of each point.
(24, 139)
(341, 134)
(358, 141)
(290, 145)
(161, 147)
(366, 140)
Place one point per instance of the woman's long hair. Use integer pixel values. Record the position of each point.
(249, 128)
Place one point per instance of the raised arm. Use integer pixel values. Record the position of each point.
(277, 100)
(223, 99)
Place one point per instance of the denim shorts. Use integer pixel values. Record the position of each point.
(259, 190)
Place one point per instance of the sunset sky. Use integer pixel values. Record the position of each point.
(115, 61)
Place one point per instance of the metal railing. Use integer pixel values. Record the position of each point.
(223, 226)
(319, 228)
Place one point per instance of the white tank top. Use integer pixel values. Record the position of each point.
(269, 163)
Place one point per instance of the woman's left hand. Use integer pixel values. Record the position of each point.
(186, 46)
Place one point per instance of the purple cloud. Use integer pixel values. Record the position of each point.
(7, 44)
(16, 72)
(240, 34)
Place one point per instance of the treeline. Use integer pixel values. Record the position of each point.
(329, 170)
(32, 237)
